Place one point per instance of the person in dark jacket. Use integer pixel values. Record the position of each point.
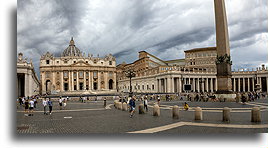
(132, 106)
(50, 104)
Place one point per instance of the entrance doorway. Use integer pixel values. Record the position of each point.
(111, 84)
(21, 84)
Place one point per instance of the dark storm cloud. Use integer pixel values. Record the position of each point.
(123, 28)
(198, 35)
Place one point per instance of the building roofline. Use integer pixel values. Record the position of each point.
(201, 49)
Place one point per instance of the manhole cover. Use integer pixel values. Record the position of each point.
(22, 127)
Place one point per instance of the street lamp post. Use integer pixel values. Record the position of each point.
(130, 74)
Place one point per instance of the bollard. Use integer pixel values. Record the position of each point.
(124, 106)
(226, 114)
(156, 110)
(115, 101)
(198, 113)
(141, 109)
(116, 104)
(104, 102)
(175, 112)
(120, 105)
(255, 114)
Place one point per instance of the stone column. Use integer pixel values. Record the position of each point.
(198, 85)
(77, 80)
(30, 84)
(166, 86)
(70, 85)
(172, 85)
(239, 90)
(207, 84)
(253, 85)
(260, 83)
(203, 86)
(89, 81)
(234, 86)
(62, 86)
(248, 85)
(179, 87)
(267, 84)
(194, 84)
(244, 86)
(84, 83)
(216, 84)
(211, 84)
(26, 86)
(72, 81)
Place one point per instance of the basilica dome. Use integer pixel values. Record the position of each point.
(72, 51)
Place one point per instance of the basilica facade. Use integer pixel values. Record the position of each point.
(75, 73)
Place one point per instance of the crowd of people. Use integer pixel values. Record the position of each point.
(30, 103)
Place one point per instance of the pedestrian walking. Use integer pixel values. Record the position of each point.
(20, 101)
(132, 106)
(60, 103)
(26, 107)
(50, 104)
(145, 102)
(64, 103)
(45, 106)
(158, 100)
(35, 101)
(31, 108)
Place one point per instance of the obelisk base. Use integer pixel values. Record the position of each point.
(226, 97)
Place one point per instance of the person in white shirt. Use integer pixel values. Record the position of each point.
(64, 103)
(60, 103)
(145, 102)
(45, 105)
(31, 103)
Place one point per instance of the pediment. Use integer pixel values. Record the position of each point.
(80, 63)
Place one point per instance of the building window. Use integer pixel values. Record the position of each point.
(110, 63)
(65, 74)
(74, 74)
(47, 61)
(153, 87)
(74, 87)
(95, 74)
(47, 75)
(148, 87)
(142, 87)
(86, 61)
(101, 63)
(81, 74)
(110, 74)
(65, 62)
(66, 87)
(58, 62)
(74, 61)
(87, 74)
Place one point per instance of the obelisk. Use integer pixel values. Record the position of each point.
(223, 60)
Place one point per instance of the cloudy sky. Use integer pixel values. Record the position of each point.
(164, 28)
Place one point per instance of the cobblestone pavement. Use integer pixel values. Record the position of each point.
(92, 117)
